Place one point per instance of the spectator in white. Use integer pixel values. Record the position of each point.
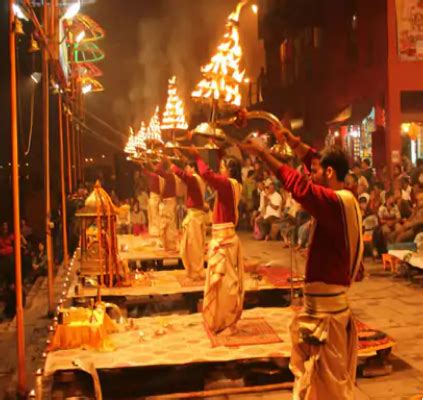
(362, 191)
(406, 189)
(267, 179)
(247, 167)
(389, 216)
(271, 206)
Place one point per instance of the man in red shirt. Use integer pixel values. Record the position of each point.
(155, 187)
(168, 229)
(193, 227)
(324, 337)
(224, 289)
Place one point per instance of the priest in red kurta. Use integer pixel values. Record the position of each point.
(193, 227)
(324, 338)
(155, 187)
(168, 230)
(224, 289)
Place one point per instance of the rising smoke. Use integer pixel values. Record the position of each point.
(176, 40)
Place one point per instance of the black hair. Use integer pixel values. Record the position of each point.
(388, 195)
(316, 156)
(362, 199)
(250, 173)
(335, 157)
(379, 185)
(234, 168)
(367, 162)
(419, 162)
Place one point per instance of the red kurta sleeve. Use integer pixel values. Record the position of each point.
(179, 172)
(322, 203)
(308, 158)
(216, 181)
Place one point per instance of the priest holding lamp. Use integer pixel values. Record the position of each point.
(324, 335)
(193, 227)
(224, 289)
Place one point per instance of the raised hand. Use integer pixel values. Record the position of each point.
(192, 150)
(251, 147)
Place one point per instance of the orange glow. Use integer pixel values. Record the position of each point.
(222, 75)
(174, 114)
(153, 132)
(130, 145)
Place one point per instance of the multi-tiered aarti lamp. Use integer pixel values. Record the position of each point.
(222, 77)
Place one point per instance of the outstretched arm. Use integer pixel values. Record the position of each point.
(322, 203)
(216, 181)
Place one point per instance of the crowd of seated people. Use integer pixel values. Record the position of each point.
(392, 209)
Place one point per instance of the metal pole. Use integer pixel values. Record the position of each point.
(63, 185)
(74, 176)
(46, 137)
(20, 328)
(68, 149)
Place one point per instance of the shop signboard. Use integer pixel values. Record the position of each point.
(410, 29)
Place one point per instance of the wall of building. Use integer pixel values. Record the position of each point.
(337, 55)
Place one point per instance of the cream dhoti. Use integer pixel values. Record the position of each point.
(224, 289)
(168, 229)
(324, 345)
(192, 243)
(153, 214)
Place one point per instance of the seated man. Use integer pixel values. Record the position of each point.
(389, 217)
(272, 204)
(414, 225)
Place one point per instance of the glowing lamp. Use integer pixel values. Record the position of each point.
(72, 10)
(254, 8)
(80, 36)
(86, 89)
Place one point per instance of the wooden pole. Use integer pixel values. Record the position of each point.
(63, 185)
(20, 327)
(46, 138)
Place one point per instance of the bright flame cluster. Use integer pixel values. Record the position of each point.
(153, 132)
(139, 142)
(222, 76)
(131, 147)
(174, 114)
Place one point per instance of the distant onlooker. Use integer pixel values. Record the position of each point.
(26, 230)
(271, 210)
(389, 216)
(351, 183)
(247, 167)
(39, 262)
(138, 220)
(417, 173)
(367, 171)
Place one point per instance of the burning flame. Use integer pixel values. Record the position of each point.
(153, 132)
(140, 138)
(222, 75)
(130, 145)
(173, 115)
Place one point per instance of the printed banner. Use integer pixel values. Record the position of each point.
(410, 29)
